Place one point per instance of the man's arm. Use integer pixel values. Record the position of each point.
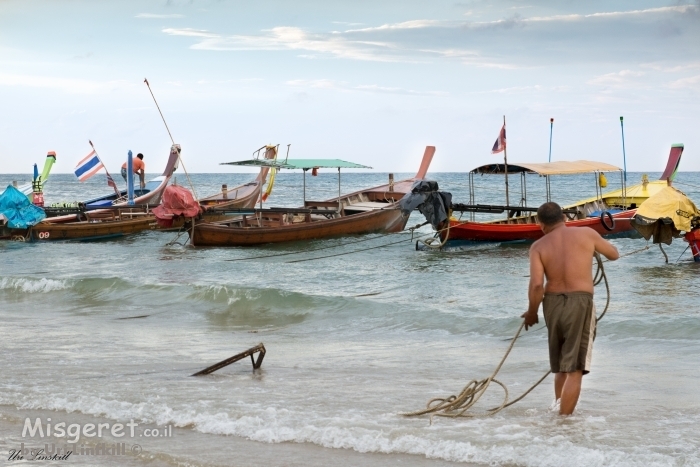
(535, 291)
(604, 247)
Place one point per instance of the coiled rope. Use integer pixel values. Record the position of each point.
(457, 406)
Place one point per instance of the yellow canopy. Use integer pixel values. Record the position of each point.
(549, 168)
(670, 203)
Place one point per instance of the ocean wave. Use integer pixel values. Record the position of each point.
(33, 285)
(236, 306)
(273, 425)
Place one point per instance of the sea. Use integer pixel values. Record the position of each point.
(357, 331)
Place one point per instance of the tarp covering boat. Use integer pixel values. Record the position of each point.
(177, 201)
(548, 168)
(17, 209)
(433, 204)
(664, 215)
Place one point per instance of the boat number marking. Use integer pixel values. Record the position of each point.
(44, 235)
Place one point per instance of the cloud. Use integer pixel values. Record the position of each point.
(621, 78)
(69, 85)
(517, 18)
(157, 16)
(692, 82)
(189, 32)
(293, 38)
(343, 86)
(414, 24)
(530, 41)
(670, 68)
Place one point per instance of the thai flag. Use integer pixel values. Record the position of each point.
(110, 182)
(88, 166)
(500, 144)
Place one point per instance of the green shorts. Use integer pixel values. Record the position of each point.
(571, 325)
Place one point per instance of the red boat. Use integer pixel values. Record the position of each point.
(502, 232)
(608, 214)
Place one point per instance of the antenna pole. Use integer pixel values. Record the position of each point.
(624, 157)
(551, 129)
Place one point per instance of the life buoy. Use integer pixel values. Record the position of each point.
(607, 227)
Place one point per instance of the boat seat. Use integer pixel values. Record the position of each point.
(321, 204)
(366, 206)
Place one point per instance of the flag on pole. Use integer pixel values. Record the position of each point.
(110, 182)
(500, 144)
(88, 167)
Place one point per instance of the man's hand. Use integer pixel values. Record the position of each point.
(530, 319)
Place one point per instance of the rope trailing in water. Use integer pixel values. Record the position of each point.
(409, 229)
(457, 406)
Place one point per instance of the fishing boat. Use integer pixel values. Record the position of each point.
(118, 220)
(607, 213)
(246, 195)
(366, 211)
(35, 188)
(102, 224)
(667, 215)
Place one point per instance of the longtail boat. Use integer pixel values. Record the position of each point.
(243, 196)
(108, 222)
(606, 213)
(366, 211)
(36, 186)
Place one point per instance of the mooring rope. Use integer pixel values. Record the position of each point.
(457, 406)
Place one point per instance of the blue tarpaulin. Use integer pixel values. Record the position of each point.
(20, 213)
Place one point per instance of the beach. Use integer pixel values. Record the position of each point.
(108, 332)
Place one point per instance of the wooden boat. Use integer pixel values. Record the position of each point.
(366, 211)
(102, 224)
(149, 195)
(524, 227)
(607, 213)
(120, 220)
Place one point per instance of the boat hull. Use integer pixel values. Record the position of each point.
(384, 220)
(497, 232)
(90, 231)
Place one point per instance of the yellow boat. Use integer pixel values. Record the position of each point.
(631, 197)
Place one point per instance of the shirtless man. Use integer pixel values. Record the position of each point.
(564, 256)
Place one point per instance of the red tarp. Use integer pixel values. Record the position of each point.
(177, 201)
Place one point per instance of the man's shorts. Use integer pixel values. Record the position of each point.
(124, 173)
(571, 325)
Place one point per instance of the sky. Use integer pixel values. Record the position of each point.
(365, 81)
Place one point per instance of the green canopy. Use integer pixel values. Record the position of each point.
(304, 164)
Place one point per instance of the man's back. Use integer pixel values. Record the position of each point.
(566, 255)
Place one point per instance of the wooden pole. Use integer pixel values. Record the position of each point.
(256, 364)
(551, 129)
(505, 160)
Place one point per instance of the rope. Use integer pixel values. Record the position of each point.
(430, 243)
(457, 406)
(348, 252)
(410, 229)
(688, 184)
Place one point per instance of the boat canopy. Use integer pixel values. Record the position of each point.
(304, 164)
(548, 168)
